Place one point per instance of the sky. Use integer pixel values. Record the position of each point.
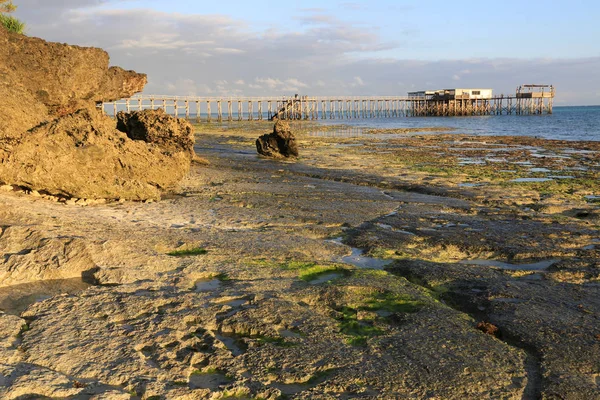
(215, 48)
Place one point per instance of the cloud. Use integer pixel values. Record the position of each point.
(295, 82)
(351, 6)
(357, 81)
(269, 82)
(195, 54)
(60, 5)
(224, 50)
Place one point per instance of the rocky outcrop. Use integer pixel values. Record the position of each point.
(53, 140)
(41, 80)
(83, 155)
(280, 143)
(156, 126)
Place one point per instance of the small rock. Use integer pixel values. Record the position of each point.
(488, 328)
(280, 143)
(6, 188)
(199, 360)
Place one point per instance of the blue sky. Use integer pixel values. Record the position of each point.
(429, 30)
(358, 47)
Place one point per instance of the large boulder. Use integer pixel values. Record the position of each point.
(83, 155)
(278, 144)
(156, 126)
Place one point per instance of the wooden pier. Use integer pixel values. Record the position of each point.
(529, 100)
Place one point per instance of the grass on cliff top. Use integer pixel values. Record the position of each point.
(196, 251)
(12, 24)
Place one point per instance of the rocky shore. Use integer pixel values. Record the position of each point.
(390, 266)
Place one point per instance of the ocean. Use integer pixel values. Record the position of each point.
(566, 123)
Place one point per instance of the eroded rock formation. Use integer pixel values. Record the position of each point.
(156, 126)
(40, 80)
(280, 143)
(83, 155)
(54, 140)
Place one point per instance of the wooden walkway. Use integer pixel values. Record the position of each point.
(208, 109)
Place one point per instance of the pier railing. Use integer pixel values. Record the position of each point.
(208, 109)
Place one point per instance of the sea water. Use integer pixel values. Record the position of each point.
(565, 123)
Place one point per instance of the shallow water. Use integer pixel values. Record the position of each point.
(207, 381)
(232, 343)
(326, 278)
(359, 260)
(16, 298)
(207, 285)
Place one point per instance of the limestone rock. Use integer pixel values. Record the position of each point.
(156, 126)
(10, 328)
(53, 141)
(32, 382)
(41, 80)
(83, 155)
(30, 255)
(280, 143)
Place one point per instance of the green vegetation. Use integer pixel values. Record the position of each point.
(223, 277)
(8, 21)
(12, 24)
(207, 371)
(566, 187)
(307, 271)
(391, 302)
(360, 330)
(197, 251)
(312, 273)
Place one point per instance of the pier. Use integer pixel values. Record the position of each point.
(528, 100)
